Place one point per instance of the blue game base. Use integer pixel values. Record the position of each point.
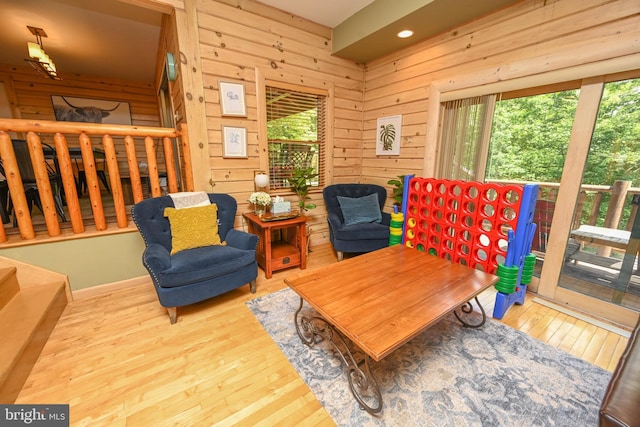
(504, 301)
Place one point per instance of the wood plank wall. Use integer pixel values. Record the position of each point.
(528, 39)
(237, 38)
(32, 97)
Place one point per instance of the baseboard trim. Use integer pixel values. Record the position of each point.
(108, 288)
(604, 325)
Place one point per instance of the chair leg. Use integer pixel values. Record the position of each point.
(82, 182)
(103, 178)
(57, 199)
(173, 314)
(340, 255)
(253, 286)
(4, 202)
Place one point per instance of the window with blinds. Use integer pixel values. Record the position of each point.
(296, 127)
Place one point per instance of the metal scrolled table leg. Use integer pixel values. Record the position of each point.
(467, 308)
(362, 384)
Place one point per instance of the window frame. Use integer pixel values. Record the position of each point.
(263, 143)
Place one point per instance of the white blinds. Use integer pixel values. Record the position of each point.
(296, 123)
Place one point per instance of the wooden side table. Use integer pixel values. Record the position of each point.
(282, 243)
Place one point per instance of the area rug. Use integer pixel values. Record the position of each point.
(448, 376)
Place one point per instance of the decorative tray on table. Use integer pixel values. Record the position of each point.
(278, 217)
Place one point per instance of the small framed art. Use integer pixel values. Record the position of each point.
(232, 99)
(388, 136)
(234, 142)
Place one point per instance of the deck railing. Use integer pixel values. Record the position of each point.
(603, 205)
(57, 135)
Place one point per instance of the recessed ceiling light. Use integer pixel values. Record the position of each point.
(405, 33)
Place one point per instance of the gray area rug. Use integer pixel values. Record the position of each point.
(448, 376)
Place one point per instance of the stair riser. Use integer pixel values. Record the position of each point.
(12, 380)
(8, 285)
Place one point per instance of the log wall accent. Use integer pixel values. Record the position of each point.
(530, 40)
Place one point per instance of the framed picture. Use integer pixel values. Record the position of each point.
(388, 134)
(234, 142)
(232, 99)
(71, 109)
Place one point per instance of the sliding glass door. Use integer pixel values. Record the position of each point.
(580, 141)
(602, 246)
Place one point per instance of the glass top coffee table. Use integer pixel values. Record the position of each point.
(379, 301)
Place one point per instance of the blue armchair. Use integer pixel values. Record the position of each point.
(362, 236)
(194, 275)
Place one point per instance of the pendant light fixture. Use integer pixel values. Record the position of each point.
(38, 58)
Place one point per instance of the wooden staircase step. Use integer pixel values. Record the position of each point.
(8, 285)
(27, 321)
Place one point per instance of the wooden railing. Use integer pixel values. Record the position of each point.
(591, 201)
(615, 211)
(57, 133)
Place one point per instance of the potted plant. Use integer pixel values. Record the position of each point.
(299, 181)
(398, 190)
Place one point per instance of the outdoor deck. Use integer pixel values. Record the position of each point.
(595, 275)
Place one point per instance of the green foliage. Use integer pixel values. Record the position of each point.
(296, 127)
(387, 136)
(300, 183)
(398, 189)
(530, 137)
(615, 146)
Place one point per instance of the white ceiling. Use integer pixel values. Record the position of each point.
(93, 38)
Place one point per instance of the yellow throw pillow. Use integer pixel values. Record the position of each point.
(193, 227)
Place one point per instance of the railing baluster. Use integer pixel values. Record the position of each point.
(114, 179)
(92, 182)
(578, 211)
(16, 189)
(152, 161)
(186, 158)
(134, 171)
(3, 234)
(172, 180)
(618, 198)
(595, 209)
(45, 194)
(69, 183)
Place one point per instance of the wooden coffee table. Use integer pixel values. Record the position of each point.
(381, 300)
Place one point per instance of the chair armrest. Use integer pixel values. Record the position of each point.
(241, 239)
(386, 218)
(334, 221)
(156, 258)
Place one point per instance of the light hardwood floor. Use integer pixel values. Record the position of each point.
(118, 362)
